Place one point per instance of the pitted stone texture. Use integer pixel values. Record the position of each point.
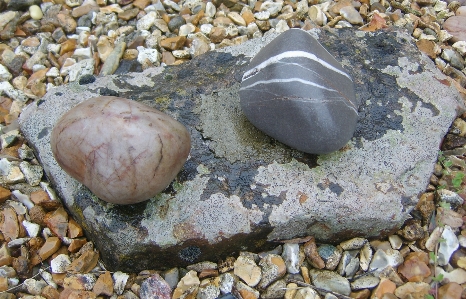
(239, 187)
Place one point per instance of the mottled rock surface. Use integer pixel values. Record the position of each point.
(240, 187)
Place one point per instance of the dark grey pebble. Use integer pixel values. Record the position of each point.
(296, 92)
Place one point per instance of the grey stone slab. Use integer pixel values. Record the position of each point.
(240, 189)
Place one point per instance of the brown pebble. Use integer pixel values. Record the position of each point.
(37, 214)
(50, 292)
(50, 246)
(218, 34)
(9, 224)
(85, 263)
(67, 22)
(128, 14)
(21, 266)
(74, 229)
(141, 4)
(76, 244)
(313, 257)
(168, 58)
(362, 294)
(57, 221)
(104, 285)
(207, 273)
(68, 46)
(3, 284)
(4, 194)
(173, 43)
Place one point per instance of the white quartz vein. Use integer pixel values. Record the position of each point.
(292, 54)
(286, 81)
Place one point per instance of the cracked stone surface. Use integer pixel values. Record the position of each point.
(240, 189)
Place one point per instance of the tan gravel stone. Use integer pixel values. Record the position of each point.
(313, 257)
(74, 229)
(217, 34)
(4, 194)
(76, 244)
(9, 224)
(68, 46)
(104, 285)
(50, 292)
(57, 221)
(85, 263)
(3, 284)
(51, 245)
(141, 4)
(248, 16)
(168, 58)
(173, 43)
(248, 271)
(67, 22)
(385, 286)
(128, 14)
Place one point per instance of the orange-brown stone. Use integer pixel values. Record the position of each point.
(104, 285)
(76, 244)
(9, 224)
(4, 194)
(85, 263)
(57, 221)
(173, 43)
(74, 229)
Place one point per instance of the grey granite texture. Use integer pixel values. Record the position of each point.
(242, 190)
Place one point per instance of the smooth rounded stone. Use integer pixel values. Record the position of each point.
(395, 241)
(103, 143)
(331, 255)
(155, 287)
(186, 29)
(456, 26)
(175, 23)
(291, 257)
(36, 12)
(365, 256)
(450, 197)
(365, 282)
(330, 281)
(351, 15)
(312, 108)
(355, 243)
(453, 57)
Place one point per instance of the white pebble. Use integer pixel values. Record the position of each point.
(60, 263)
(460, 46)
(33, 286)
(5, 75)
(210, 10)
(206, 28)
(36, 12)
(119, 280)
(448, 246)
(33, 229)
(22, 198)
(262, 15)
